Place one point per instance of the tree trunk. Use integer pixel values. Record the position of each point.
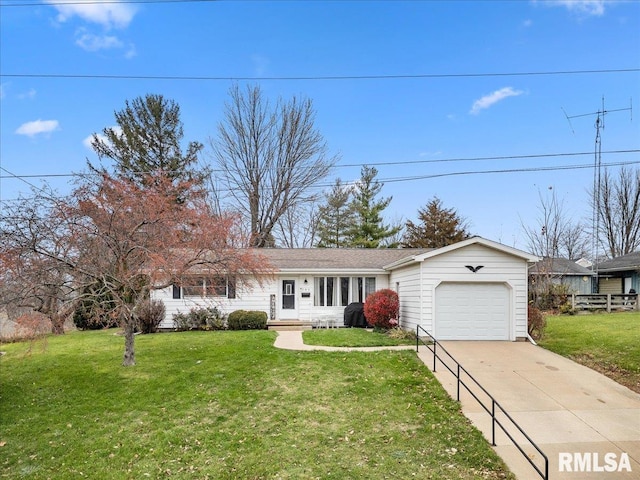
(57, 324)
(129, 337)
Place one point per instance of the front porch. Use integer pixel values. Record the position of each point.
(321, 321)
(285, 325)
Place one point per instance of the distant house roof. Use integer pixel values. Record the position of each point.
(335, 259)
(631, 261)
(559, 266)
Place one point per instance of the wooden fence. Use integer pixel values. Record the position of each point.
(605, 301)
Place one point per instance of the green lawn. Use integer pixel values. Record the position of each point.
(228, 405)
(351, 337)
(607, 342)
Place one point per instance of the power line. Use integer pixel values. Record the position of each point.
(476, 159)
(377, 164)
(384, 180)
(509, 170)
(317, 78)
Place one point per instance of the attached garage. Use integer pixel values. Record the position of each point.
(472, 311)
(472, 290)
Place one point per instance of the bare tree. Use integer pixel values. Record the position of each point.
(544, 237)
(124, 238)
(574, 243)
(268, 158)
(31, 277)
(555, 233)
(297, 228)
(618, 208)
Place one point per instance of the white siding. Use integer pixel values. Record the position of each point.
(256, 297)
(498, 267)
(251, 297)
(407, 279)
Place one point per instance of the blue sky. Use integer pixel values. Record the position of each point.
(443, 89)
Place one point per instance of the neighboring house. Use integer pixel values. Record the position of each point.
(620, 274)
(561, 271)
(472, 290)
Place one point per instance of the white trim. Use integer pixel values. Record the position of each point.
(465, 243)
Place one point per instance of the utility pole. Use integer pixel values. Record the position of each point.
(597, 172)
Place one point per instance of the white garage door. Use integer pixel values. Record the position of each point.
(472, 311)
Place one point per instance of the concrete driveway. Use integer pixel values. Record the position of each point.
(570, 411)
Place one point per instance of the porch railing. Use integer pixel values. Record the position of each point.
(472, 386)
(605, 301)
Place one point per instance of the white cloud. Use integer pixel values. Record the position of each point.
(87, 141)
(527, 23)
(582, 7)
(31, 94)
(109, 15)
(131, 52)
(93, 43)
(493, 98)
(36, 127)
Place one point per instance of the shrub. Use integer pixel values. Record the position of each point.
(247, 320)
(96, 309)
(381, 309)
(550, 296)
(182, 321)
(536, 322)
(150, 316)
(209, 318)
(401, 334)
(567, 309)
(215, 319)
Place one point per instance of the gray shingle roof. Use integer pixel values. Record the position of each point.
(310, 259)
(559, 266)
(631, 261)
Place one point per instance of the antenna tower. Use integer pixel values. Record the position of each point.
(597, 172)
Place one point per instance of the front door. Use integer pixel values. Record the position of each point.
(288, 304)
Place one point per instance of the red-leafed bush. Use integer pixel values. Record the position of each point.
(381, 309)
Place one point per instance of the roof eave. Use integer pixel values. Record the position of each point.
(322, 271)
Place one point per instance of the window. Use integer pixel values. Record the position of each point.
(369, 286)
(213, 286)
(340, 291)
(319, 293)
(344, 291)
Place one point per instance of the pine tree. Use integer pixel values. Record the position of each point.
(336, 218)
(369, 231)
(438, 227)
(147, 141)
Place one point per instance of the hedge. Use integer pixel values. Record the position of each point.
(247, 320)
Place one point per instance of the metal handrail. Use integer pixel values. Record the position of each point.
(494, 403)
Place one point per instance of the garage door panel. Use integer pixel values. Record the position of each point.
(467, 311)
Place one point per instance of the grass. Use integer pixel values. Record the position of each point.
(351, 337)
(606, 342)
(228, 405)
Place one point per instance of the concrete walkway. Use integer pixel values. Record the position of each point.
(567, 409)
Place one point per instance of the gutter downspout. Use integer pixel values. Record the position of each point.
(531, 340)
